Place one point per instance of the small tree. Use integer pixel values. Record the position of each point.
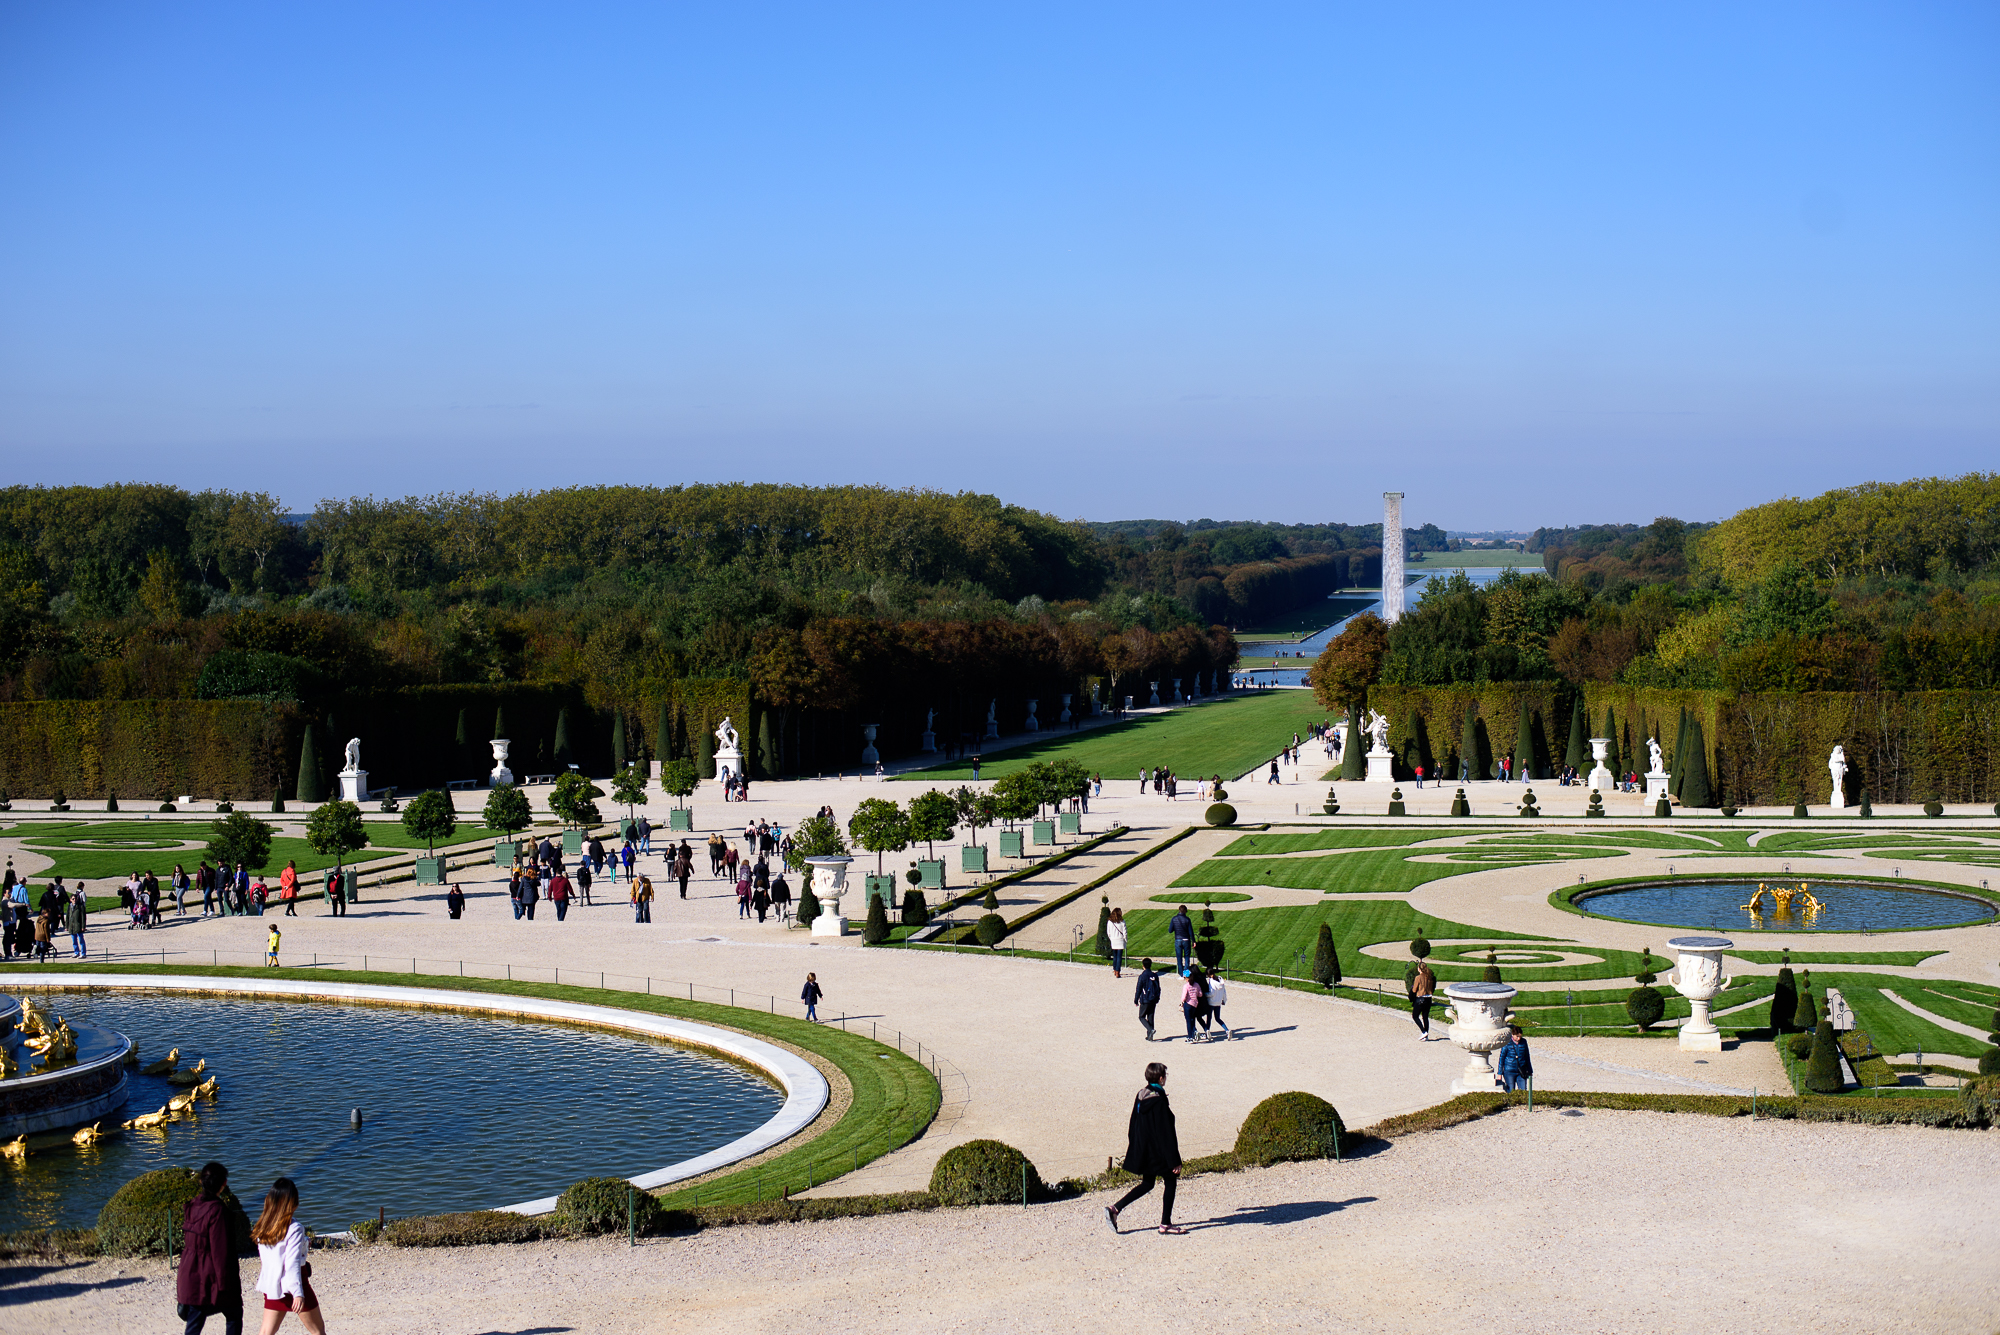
(1209, 947)
(1823, 1067)
(991, 903)
(916, 909)
(1103, 943)
(1017, 796)
(678, 780)
(933, 816)
(808, 908)
(879, 826)
(1693, 769)
(312, 783)
(990, 930)
(507, 809)
(1577, 754)
(1354, 757)
(1326, 959)
(628, 787)
(1491, 974)
(618, 742)
(240, 837)
(563, 755)
(975, 809)
(574, 800)
(1468, 744)
(335, 829)
(1785, 998)
(1805, 1016)
(1644, 1003)
(876, 929)
(430, 817)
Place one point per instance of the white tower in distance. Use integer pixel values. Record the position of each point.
(1392, 556)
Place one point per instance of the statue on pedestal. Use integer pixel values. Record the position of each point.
(1836, 765)
(352, 778)
(353, 756)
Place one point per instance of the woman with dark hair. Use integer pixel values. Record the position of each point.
(207, 1284)
(283, 1276)
(1152, 1149)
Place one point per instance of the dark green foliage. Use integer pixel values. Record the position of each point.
(933, 816)
(1645, 977)
(1613, 760)
(1220, 813)
(1353, 757)
(808, 906)
(1103, 944)
(1989, 1062)
(1577, 754)
(1459, 806)
(1396, 802)
(500, 721)
(431, 818)
(472, 1228)
(1805, 1017)
(1289, 1127)
(601, 1205)
(628, 786)
(240, 837)
(1491, 974)
(336, 829)
(991, 901)
(1420, 947)
(876, 929)
(1868, 810)
(815, 837)
(1663, 807)
(1332, 805)
(1524, 745)
(312, 782)
(1799, 811)
(574, 799)
(879, 826)
(1645, 1005)
(678, 780)
(507, 809)
(704, 753)
(1784, 1000)
(563, 755)
(1677, 785)
(277, 801)
(1695, 789)
(1800, 1045)
(135, 1220)
(1326, 958)
(1934, 808)
(983, 1172)
(916, 909)
(1823, 1067)
(617, 740)
(990, 930)
(1468, 743)
(1209, 946)
(247, 674)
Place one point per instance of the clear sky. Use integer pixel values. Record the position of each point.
(1527, 263)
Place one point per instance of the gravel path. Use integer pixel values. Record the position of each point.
(1542, 1222)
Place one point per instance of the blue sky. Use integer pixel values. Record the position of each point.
(1528, 264)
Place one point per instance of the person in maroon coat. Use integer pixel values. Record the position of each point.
(208, 1284)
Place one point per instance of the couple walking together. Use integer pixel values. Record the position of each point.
(208, 1284)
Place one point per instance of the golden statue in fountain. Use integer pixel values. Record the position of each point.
(56, 1046)
(86, 1135)
(206, 1089)
(34, 1021)
(147, 1121)
(17, 1148)
(192, 1076)
(164, 1064)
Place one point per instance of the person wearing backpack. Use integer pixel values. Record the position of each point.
(1152, 1149)
(1146, 996)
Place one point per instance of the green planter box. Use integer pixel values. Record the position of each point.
(430, 871)
(572, 842)
(351, 882)
(884, 885)
(1045, 834)
(1070, 822)
(680, 818)
(972, 857)
(931, 872)
(503, 852)
(1010, 843)
(628, 829)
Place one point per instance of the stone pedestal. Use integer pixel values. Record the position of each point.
(500, 774)
(1698, 976)
(1480, 1029)
(1657, 782)
(829, 884)
(1381, 767)
(869, 755)
(1600, 777)
(729, 758)
(353, 785)
(1033, 724)
(1154, 702)
(929, 744)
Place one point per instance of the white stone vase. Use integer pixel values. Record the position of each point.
(1697, 975)
(1481, 1029)
(829, 884)
(1155, 702)
(1064, 717)
(1033, 724)
(869, 755)
(500, 774)
(1600, 774)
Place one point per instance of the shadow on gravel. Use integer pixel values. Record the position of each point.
(21, 1285)
(1292, 1212)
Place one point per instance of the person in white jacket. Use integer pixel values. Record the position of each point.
(284, 1277)
(1115, 932)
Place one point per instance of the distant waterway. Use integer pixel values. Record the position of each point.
(1307, 649)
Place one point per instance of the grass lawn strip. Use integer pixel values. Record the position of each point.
(893, 1099)
(1273, 844)
(1364, 872)
(1908, 959)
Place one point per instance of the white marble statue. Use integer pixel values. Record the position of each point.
(1653, 746)
(1836, 765)
(930, 720)
(726, 737)
(353, 755)
(1378, 730)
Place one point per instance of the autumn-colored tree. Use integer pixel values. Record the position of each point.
(1351, 663)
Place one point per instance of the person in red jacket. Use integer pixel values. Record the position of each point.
(208, 1283)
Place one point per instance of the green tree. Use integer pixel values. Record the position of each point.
(1209, 946)
(574, 800)
(1806, 1017)
(618, 743)
(1644, 1004)
(1468, 744)
(507, 809)
(1823, 1066)
(876, 929)
(1785, 998)
(500, 722)
(1613, 760)
(678, 780)
(312, 781)
(880, 826)
(336, 829)
(1695, 788)
(240, 837)
(1017, 796)
(933, 816)
(975, 809)
(815, 837)
(1326, 959)
(1577, 754)
(628, 786)
(430, 817)
(1353, 757)
(564, 758)
(1350, 663)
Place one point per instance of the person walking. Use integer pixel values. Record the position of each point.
(284, 1276)
(207, 1283)
(204, 879)
(1274, 773)
(454, 901)
(335, 901)
(289, 892)
(1152, 1149)
(743, 893)
(645, 828)
(684, 867)
(811, 994)
(1146, 996)
(44, 934)
(1217, 995)
(559, 894)
(642, 900)
(1115, 932)
(75, 913)
(271, 947)
(582, 882)
(1182, 928)
(524, 904)
(1422, 988)
(760, 900)
(1194, 999)
(1516, 1066)
(181, 886)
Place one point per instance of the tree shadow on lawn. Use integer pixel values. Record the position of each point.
(1291, 1212)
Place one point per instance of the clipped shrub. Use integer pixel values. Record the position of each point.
(1823, 1067)
(1645, 1005)
(1396, 802)
(983, 1172)
(1103, 943)
(471, 1228)
(1868, 808)
(1980, 1100)
(1332, 807)
(1934, 808)
(1209, 947)
(916, 909)
(1287, 1127)
(1492, 971)
(599, 1205)
(1785, 999)
(1459, 806)
(876, 929)
(991, 902)
(808, 907)
(1222, 794)
(1220, 813)
(1805, 1018)
(1989, 1062)
(1800, 1045)
(111, 801)
(1663, 807)
(1326, 959)
(1799, 811)
(277, 799)
(990, 930)
(134, 1221)
(1420, 947)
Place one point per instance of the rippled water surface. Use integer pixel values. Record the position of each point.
(1849, 908)
(459, 1112)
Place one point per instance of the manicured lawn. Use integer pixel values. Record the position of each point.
(1273, 844)
(1475, 560)
(1229, 737)
(112, 850)
(1894, 1029)
(1265, 940)
(1905, 958)
(1204, 897)
(1367, 872)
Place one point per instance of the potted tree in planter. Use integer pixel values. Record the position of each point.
(1016, 797)
(628, 789)
(974, 810)
(506, 811)
(879, 826)
(933, 816)
(574, 800)
(678, 780)
(333, 831)
(430, 817)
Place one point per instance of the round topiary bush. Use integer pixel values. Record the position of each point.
(983, 1172)
(1934, 808)
(599, 1204)
(1420, 947)
(1801, 1045)
(990, 929)
(1289, 1126)
(134, 1221)
(1989, 1062)
(1645, 1005)
(1220, 813)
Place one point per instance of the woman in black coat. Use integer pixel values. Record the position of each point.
(1152, 1149)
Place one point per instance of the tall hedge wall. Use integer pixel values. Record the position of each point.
(146, 750)
(1427, 725)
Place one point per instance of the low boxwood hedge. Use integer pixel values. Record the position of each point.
(984, 1172)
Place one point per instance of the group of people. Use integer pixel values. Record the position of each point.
(208, 1283)
(30, 924)
(735, 787)
(1165, 783)
(1202, 998)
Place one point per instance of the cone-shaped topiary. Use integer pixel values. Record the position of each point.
(1785, 999)
(1354, 756)
(1491, 974)
(617, 740)
(1644, 1004)
(1288, 1127)
(277, 800)
(1577, 754)
(1468, 746)
(312, 783)
(1868, 810)
(809, 907)
(876, 929)
(1695, 790)
(1103, 946)
(1646, 976)
(1805, 1016)
(1210, 946)
(135, 1220)
(1678, 784)
(1326, 959)
(564, 757)
(605, 1204)
(1524, 746)
(916, 909)
(1823, 1067)
(990, 929)
(1613, 761)
(992, 901)
(111, 802)
(984, 1172)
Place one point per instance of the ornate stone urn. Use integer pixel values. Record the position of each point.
(1155, 701)
(1033, 724)
(1600, 775)
(869, 755)
(829, 884)
(1481, 1029)
(500, 774)
(1697, 975)
(1064, 717)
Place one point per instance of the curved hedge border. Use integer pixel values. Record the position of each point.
(1565, 899)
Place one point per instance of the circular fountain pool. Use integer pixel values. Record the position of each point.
(459, 1111)
(1843, 906)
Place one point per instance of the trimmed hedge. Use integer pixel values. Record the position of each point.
(472, 1228)
(1287, 1127)
(205, 747)
(983, 1172)
(601, 1205)
(1220, 813)
(135, 1220)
